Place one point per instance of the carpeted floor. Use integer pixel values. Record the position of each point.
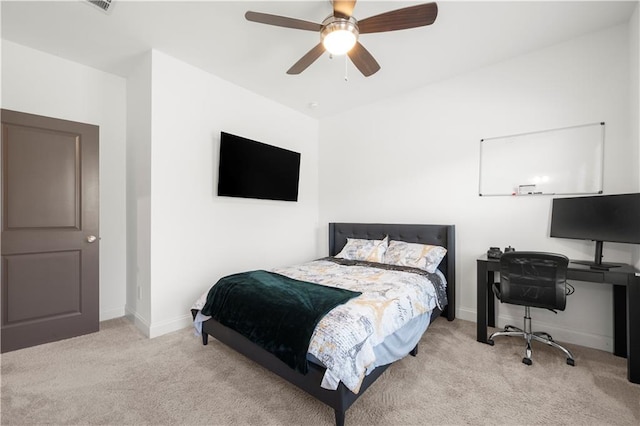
(119, 377)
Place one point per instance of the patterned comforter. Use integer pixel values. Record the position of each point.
(345, 338)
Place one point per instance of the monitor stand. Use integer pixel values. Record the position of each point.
(597, 261)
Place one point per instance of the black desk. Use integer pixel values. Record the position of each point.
(626, 305)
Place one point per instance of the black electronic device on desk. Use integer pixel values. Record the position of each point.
(496, 253)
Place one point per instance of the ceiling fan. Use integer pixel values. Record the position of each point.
(339, 32)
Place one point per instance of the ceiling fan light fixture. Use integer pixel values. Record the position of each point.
(339, 35)
(339, 31)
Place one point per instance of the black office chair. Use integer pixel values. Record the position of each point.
(533, 279)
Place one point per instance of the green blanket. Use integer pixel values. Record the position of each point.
(276, 312)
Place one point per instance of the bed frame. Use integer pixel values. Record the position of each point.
(342, 398)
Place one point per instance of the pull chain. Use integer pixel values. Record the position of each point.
(346, 68)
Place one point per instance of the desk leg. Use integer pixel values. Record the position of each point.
(481, 308)
(633, 329)
(491, 299)
(620, 320)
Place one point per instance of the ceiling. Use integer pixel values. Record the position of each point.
(214, 36)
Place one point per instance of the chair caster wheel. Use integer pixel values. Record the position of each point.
(527, 361)
(490, 342)
(571, 362)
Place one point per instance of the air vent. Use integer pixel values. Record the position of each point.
(103, 5)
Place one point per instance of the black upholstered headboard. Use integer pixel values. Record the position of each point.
(441, 235)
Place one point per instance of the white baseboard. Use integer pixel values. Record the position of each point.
(158, 328)
(108, 314)
(466, 314)
(590, 340)
(168, 326)
(561, 334)
(140, 323)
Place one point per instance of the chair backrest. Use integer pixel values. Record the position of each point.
(534, 279)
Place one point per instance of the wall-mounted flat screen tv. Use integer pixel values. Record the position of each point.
(252, 169)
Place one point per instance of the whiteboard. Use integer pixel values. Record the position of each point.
(568, 160)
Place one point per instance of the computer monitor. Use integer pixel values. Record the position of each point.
(611, 218)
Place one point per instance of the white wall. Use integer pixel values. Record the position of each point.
(415, 159)
(159, 133)
(139, 193)
(383, 162)
(43, 84)
(195, 236)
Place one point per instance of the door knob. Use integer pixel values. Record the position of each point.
(91, 238)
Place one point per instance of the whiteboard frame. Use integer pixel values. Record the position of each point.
(510, 173)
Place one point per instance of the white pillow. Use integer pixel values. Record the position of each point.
(421, 256)
(368, 250)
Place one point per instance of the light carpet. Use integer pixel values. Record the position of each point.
(119, 377)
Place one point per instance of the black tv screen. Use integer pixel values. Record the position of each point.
(611, 218)
(252, 169)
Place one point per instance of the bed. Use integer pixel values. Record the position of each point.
(316, 379)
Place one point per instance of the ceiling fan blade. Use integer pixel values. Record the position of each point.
(363, 60)
(400, 19)
(304, 62)
(343, 8)
(282, 21)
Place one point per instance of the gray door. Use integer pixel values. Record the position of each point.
(49, 230)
